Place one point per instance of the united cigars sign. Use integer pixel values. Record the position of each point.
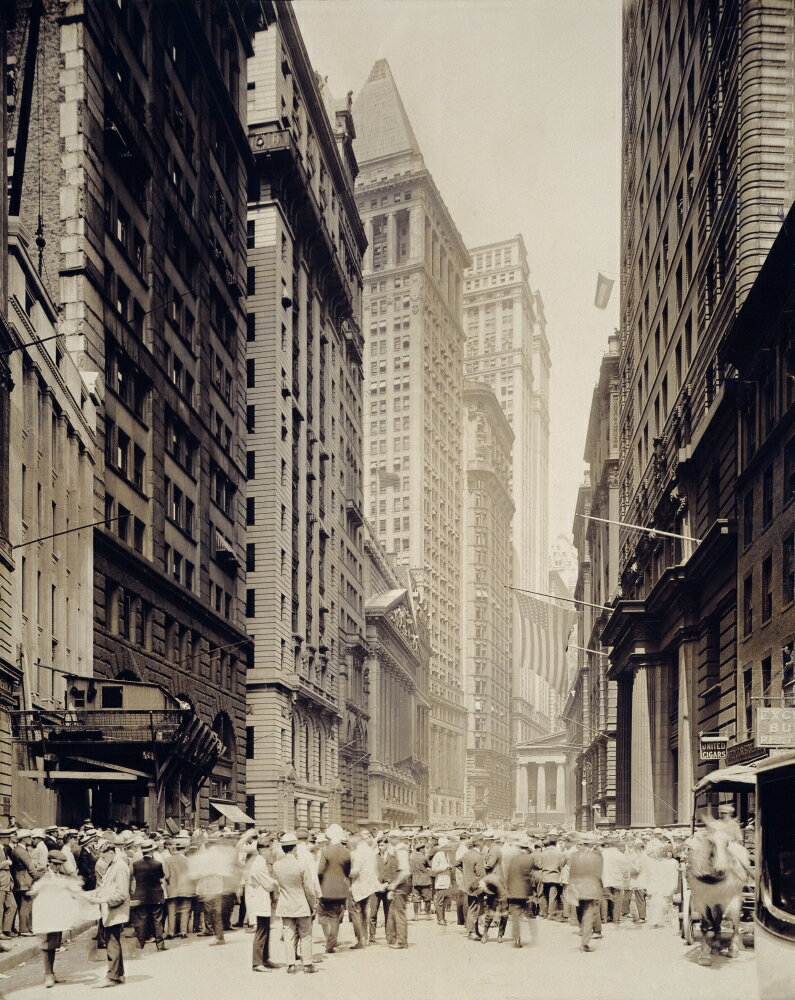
(775, 727)
(712, 747)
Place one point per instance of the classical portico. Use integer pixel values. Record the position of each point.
(542, 781)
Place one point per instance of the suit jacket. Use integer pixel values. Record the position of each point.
(334, 869)
(473, 870)
(551, 862)
(147, 876)
(420, 869)
(113, 893)
(585, 874)
(86, 864)
(519, 876)
(296, 890)
(22, 867)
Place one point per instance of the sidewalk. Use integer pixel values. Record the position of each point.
(25, 949)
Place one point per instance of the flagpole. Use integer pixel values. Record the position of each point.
(640, 527)
(556, 597)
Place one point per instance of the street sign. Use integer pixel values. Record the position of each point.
(712, 747)
(743, 753)
(775, 727)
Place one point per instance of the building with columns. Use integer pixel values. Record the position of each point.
(507, 349)
(703, 194)
(305, 556)
(487, 604)
(542, 778)
(396, 675)
(594, 701)
(413, 365)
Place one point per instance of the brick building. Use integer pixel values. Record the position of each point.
(305, 593)
(137, 186)
(413, 364)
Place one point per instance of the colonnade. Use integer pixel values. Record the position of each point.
(541, 787)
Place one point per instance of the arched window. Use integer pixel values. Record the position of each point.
(307, 754)
(319, 736)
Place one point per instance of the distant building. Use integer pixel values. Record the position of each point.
(507, 349)
(593, 709)
(396, 688)
(305, 548)
(487, 604)
(413, 364)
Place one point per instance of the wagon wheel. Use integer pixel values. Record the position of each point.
(689, 920)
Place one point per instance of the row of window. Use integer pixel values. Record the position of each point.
(786, 586)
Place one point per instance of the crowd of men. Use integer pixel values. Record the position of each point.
(164, 887)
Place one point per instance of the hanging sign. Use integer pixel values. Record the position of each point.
(775, 727)
(713, 747)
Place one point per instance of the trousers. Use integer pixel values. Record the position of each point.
(24, 909)
(179, 910)
(8, 909)
(298, 932)
(330, 913)
(115, 957)
(213, 916)
(396, 924)
(359, 910)
(588, 916)
(474, 909)
(378, 900)
(262, 933)
(147, 921)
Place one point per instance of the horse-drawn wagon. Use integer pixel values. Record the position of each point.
(729, 919)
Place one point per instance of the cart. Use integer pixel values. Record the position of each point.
(739, 779)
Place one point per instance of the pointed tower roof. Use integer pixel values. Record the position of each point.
(383, 128)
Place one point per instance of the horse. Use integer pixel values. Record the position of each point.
(718, 869)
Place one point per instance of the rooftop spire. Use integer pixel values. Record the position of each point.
(382, 126)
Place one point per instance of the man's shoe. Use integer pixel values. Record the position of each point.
(585, 947)
(105, 983)
(161, 947)
(49, 981)
(357, 946)
(212, 943)
(330, 949)
(398, 946)
(291, 969)
(597, 935)
(260, 968)
(517, 944)
(183, 936)
(310, 968)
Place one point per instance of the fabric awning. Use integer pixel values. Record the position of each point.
(232, 812)
(738, 777)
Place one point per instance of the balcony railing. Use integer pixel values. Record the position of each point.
(92, 726)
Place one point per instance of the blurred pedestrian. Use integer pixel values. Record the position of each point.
(113, 895)
(56, 909)
(148, 874)
(334, 869)
(259, 890)
(296, 904)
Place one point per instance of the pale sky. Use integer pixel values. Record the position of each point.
(516, 107)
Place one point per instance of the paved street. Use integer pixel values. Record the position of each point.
(630, 963)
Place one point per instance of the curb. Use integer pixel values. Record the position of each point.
(31, 949)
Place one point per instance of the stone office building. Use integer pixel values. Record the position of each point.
(138, 187)
(414, 346)
(702, 198)
(305, 594)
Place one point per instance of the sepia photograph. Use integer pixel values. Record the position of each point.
(397, 499)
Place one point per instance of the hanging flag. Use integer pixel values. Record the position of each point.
(604, 288)
(545, 637)
(388, 478)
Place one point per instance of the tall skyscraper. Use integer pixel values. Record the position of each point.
(413, 366)
(487, 603)
(305, 555)
(707, 113)
(507, 349)
(136, 189)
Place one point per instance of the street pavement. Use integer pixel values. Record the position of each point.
(632, 962)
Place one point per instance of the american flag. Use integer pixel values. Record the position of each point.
(388, 478)
(545, 629)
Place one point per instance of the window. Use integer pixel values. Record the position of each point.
(251, 281)
(111, 696)
(767, 496)
(748, 704)
(251, 510)
(251, 602)
(748, 604)
(251, 465)
(748, 518)
(788, 570)
(767, 589)
(251, 557)
(789, 469)
(767, 675)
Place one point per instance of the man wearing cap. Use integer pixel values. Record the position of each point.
(473, 871)
(38, 851)
(727, 822)
(442, 865)
(585, 884)
(113, 896)
(181, 887)
(519, 886)
(24, 875)
(87, 859)
(421, 879)
(147, 915)
(550, 861)
(333, 870)
(296, 904)
(397, 875)
(8, 904)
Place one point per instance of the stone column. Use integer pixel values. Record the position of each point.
(561, 805)
(367, 263)
(522, 794)
(416, 235)
(541, 789)
(390, 240)
(642, 795)
(686, 728)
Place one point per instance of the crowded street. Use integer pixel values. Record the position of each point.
(440, 962)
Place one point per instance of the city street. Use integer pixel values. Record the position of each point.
(440, 962)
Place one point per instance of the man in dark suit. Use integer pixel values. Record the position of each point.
(473, 870)
(519, 885)
(585, 885)
(148, 897)
(333, 870)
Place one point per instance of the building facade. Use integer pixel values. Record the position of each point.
(397, 688)
(597, 586)
(137, 192)
(762, 350)
(507, 349)
(414, 344)
(486, 608)
(305, 557)
(702, 198)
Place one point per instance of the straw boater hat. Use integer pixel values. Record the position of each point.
(288, 838)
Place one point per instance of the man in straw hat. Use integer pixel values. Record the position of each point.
(296, 904)
(585, 887)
